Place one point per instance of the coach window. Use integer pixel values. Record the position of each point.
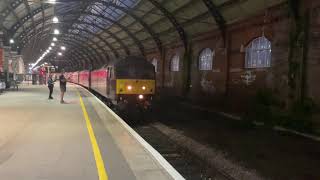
(174, 64)
(205, 59)
(258, 53)
(155, 64)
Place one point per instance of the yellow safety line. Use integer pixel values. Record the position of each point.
(95, 147)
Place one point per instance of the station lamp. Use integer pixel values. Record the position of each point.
(55, 20)
(59, 54)
(52, 1)
(55, 39)
(63, 48)
(11, 41)
(56, 32)
(53, 44)
(50, 48)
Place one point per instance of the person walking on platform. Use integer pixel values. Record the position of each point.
(50, 86)
(63, 85)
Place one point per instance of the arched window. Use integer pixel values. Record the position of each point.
(205, 59)
(258, 53)
(174, 65)
(155, 64)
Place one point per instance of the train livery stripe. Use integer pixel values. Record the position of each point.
(95, 147)
(136, 86)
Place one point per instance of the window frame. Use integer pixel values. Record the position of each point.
(175, 68)
(200, 60)
(253, 51)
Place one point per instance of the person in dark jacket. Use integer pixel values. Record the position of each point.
(63, 86)
(50, 86)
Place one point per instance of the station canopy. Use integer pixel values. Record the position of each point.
(98, 31)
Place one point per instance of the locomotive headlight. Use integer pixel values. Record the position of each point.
(143, 88)
(129, 88)
(141, 96)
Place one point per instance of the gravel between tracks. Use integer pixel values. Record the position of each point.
(215, 158)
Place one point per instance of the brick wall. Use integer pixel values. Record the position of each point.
(211, 86)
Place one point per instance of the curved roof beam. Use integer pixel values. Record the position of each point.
(174, 22)
(214, 11)
(132, 36)
(76, 44)
(127, 11)
(83, 41)
(31, 35)
(28, 29)
(89, 32)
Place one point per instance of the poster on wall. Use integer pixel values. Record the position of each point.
(1, 60)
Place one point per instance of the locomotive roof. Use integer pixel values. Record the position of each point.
(133, 61)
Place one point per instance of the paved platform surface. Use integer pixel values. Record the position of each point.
(41, 139)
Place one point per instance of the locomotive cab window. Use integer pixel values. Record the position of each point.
(258, 53)
(174, 64)
(206, 59)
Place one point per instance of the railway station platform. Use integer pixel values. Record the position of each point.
(41, 139)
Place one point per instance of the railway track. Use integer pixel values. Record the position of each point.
(186, 163)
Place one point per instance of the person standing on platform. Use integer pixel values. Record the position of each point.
(63, 85)
(50, 86)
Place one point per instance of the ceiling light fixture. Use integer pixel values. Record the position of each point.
(63, 48)
(55, 20)
(55, 39)
(56, 31)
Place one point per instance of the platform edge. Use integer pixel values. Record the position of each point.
(157, 156)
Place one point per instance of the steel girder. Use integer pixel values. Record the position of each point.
(128, 12)
(214, 10)
(93, 34)
(174, 22)
(83, 42)
(91, 24)
(76, 44)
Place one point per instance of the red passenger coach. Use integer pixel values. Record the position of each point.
(74, 77)
(99, 81)
(84, 78)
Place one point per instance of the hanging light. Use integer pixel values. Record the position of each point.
(59, 54)
(56, 31)
(50, 48)
(55, 39)
(11, 41)
(52, 1)
(53, 44)
(63, 48)
(55, 19)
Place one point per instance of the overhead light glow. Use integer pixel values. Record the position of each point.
(53, 44)
(11, 41)
(55, 39)
(52, 1)
(55, 19)
(56, 31)
(63, 48)
(59, 54)
(50, 48)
